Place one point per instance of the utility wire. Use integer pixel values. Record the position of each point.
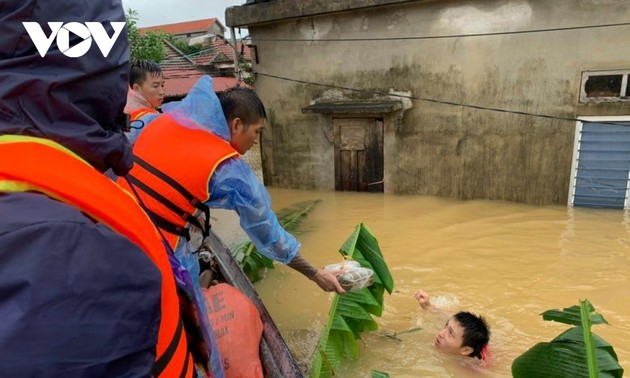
(597, 26)
(443, 102)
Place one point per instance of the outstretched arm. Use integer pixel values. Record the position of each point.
(325, 279)
(234, 186)
(423, 299)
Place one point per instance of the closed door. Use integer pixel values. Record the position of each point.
(358, 154)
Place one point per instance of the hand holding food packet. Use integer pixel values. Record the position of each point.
(353, 276)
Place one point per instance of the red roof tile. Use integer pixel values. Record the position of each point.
(180, 74)
(183, 27)
(222, 46)
(179, 82)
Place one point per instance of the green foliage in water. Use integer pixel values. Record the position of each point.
(379, 374)
(351, 313)
(292, 220)
(576, 352)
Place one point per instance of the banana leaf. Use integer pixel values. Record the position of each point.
(291, 219)
(576, 352)
(572, 315)
(351, 313)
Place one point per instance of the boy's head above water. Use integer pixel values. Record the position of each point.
(464, 334)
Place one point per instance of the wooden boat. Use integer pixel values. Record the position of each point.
(276, 358)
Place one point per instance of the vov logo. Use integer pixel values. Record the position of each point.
(89, 31)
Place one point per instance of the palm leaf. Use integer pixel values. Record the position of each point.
(291, 219)
(576, 352)
(351, 313)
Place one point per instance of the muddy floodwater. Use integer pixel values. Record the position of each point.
(506, 261)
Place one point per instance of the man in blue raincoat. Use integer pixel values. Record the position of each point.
(194, 145)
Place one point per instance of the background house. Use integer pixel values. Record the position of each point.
(216, 58)
(464, 99)
(181, 71)
(199, 31)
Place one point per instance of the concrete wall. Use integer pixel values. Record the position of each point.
(435, 149)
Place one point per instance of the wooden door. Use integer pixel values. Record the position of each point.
(358, 154)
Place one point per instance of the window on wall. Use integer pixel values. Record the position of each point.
(605, 86)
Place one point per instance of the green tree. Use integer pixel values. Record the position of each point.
(147, 46)
(183, 46)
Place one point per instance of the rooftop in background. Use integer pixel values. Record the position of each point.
(208, 28)
(221, 51)
(179, 81)
(181, 72)
(184, 27)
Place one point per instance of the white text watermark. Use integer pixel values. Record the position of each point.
(61, 31)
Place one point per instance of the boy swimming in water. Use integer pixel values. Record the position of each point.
(464, 334)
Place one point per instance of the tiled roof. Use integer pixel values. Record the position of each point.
(219, 47)
(174, 59)
(179, 82)
(183, 27)
(181, 73)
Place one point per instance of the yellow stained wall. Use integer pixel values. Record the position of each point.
(436, 149)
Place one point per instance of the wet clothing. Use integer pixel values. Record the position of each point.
(77, 298)
(174, 186)
(22, 170)
(74, 101)
(233, 185)
(184, 160)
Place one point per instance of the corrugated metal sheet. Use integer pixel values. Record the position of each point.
(602, 166)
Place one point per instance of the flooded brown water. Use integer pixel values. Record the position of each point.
(506, 261)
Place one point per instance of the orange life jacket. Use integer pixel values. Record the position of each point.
(172, 172)
(35, 164)
(136, 114)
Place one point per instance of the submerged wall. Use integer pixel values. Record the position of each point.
(432, 148)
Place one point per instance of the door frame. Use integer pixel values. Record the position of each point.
(377, 120)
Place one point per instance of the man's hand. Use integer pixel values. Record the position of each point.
(327, 280)
(423, 299)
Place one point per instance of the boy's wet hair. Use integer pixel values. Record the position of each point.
(476, 332)
(243, 103)
(139, 69)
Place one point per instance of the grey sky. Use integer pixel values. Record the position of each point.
(158, 12)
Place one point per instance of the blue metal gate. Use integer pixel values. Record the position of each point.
(602, 165)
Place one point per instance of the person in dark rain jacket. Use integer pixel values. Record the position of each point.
(86, 288)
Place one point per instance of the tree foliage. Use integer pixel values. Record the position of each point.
(182, 45)
(147, 46)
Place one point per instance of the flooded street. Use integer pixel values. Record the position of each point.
(506, 261)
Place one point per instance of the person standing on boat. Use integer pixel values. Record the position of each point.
(86, 288)
(187, 160)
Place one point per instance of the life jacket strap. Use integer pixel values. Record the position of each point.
(194, 201)
(169, 226)
(183, 214)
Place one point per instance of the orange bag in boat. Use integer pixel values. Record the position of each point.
(238, 330)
